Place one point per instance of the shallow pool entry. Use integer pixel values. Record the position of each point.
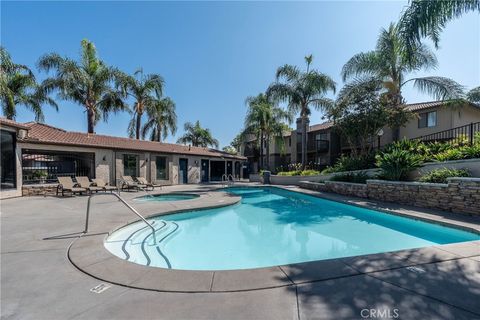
(272, 226)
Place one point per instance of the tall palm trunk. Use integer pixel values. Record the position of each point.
(158, 134)
(91, 120)
(261, 150)
(138, 125)
(304, 118)
(397, 101)
(267, 158)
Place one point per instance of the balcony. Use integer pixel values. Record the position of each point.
(251, 151)
(317, 146)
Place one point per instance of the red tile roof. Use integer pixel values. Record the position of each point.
(45, 134)
(412, 107)
(13, 124)
(321, 126)
(433, 104)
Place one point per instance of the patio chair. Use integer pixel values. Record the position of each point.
(129, 183)
(67, 184)
(144, 181)
(102, 184)
(84, 182)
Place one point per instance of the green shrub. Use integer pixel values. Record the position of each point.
(328, 170)
(309, 173)
(397, 164)
(299, 173)
(354, 177)
(441, 175)
(289, 173)
(352, 163)
(458, 153)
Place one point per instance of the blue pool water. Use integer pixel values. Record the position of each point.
(270, 227)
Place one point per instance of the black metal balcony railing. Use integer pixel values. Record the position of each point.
(318, 146)
(464, 134)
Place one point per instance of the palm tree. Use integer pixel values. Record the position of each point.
(474, 95)
(18, 86)
(161, 119)
(265, 120)
(390, 63)
(427, 18)
(87, 82)
(197, 136)
(302, 91)
(146, 90)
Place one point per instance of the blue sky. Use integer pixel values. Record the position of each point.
(215, 54)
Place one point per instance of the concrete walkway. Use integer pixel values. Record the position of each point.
(39, 282)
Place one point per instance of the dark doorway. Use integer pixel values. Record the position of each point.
(183, 171)
(237, 169)
(205, 171)
(246, 170)
(217, 170)
(8, 160)
(229, 168)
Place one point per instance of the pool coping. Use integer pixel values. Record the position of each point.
(88, 254)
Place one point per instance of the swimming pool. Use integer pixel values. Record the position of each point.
(168, 197)
(272, 226)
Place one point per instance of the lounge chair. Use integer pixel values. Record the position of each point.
(67, 184)
(102, 184)
(84, 182)
(144, 181)
(129, 183)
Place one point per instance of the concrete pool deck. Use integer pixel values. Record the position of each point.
(39, 282)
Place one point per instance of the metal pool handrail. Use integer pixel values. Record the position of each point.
(125, 203)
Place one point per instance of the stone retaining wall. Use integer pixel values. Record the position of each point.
(460, 195)
(39, 190)
(347, 188)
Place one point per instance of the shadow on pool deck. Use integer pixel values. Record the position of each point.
(444, 290)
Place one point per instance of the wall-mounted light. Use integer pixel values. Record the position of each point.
(196, 162)
(104, 158)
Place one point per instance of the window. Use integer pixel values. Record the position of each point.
(289, 141)
(161, 164)
(130, 165)
(8, 160)
(427, 119)
(321, 136)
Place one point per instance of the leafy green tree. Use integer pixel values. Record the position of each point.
(474, 95)
(230, 149)
(18, 86)
(265, 121)
(162, 119)
(390, 63)
(427, 18)
(197, 136)
(302, 90)
(146, 91)
(360, 113)
(88, 82)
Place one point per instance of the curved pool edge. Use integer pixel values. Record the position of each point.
(88, 254)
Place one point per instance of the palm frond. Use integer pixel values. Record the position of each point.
(367, 63)
(439, 87)
(474, 95)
